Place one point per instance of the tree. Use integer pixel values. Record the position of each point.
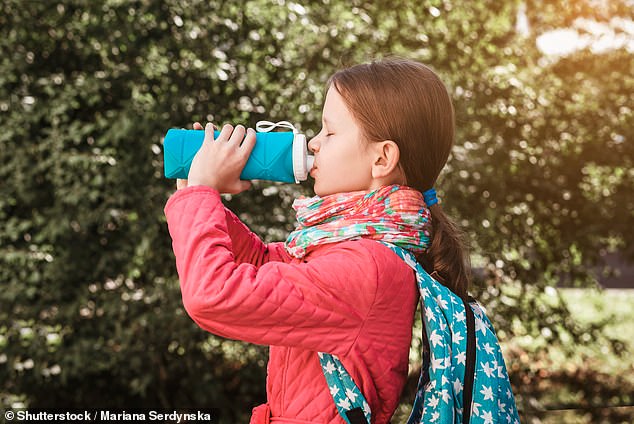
(90, 311)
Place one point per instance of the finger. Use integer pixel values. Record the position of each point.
(237, 135)
(198, 126)
(249, 142)
(209, 132)
(181, 184)
(225, 133)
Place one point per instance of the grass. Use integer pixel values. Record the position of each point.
(588, 306)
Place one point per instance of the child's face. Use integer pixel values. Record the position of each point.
(343, 162)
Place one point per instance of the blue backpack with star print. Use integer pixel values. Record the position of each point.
(463, 377)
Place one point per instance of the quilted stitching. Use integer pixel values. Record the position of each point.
(354, 299)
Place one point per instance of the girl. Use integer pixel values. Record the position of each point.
(388, 128)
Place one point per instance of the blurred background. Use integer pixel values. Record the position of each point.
(541, 178)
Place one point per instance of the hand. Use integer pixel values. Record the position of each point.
(219, 162)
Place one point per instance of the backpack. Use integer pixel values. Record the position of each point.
(463, 376)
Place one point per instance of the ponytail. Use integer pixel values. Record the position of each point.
(447, 255)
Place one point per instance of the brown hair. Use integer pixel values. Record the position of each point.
(406, 102)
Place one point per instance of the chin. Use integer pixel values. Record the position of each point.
(319, 191)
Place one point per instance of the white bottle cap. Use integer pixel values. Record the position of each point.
(302, 162)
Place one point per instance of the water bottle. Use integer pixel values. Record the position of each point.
(277, 156)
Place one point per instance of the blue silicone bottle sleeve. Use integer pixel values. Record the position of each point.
(271, 158)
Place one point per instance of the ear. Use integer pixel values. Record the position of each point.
(386, 157)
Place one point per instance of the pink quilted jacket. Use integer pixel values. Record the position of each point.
(355, 299)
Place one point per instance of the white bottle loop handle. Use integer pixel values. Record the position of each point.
(302, 161)
(268, 126)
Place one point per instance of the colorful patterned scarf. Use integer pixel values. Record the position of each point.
(395, 214)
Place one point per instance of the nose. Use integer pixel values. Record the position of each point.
(313, 144)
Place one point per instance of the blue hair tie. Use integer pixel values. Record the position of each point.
(430, 197)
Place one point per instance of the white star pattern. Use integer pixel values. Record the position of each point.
(351, 395)
(429, 314)
(434, 416)
(487, 391)
(456, 337)
(487, 417)
(425, 292)
(433, 401)
(488, 348)
(461, 357)
(366, 407)
(330, 367)
(457, 386)
(479, 326)
(475, 408)
(442, 302)
(344, 403)
(460, 316)
(334, 390)
(445, 395)
(501, 372)
(435, 338)
(410, 261)
(487, 369)
(437, 364)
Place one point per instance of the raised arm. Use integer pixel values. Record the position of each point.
(248, 248)
(318, 305)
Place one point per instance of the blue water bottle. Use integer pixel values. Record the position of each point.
(277, 156)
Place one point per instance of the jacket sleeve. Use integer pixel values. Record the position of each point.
(247, 247)
(318, 305)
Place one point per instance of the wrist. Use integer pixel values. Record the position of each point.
(209, 184)
(194, 190)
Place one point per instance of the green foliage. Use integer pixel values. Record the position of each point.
(90, 312)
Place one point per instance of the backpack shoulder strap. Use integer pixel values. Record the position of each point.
(469, 373)
(349, 400)
(446, 383)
